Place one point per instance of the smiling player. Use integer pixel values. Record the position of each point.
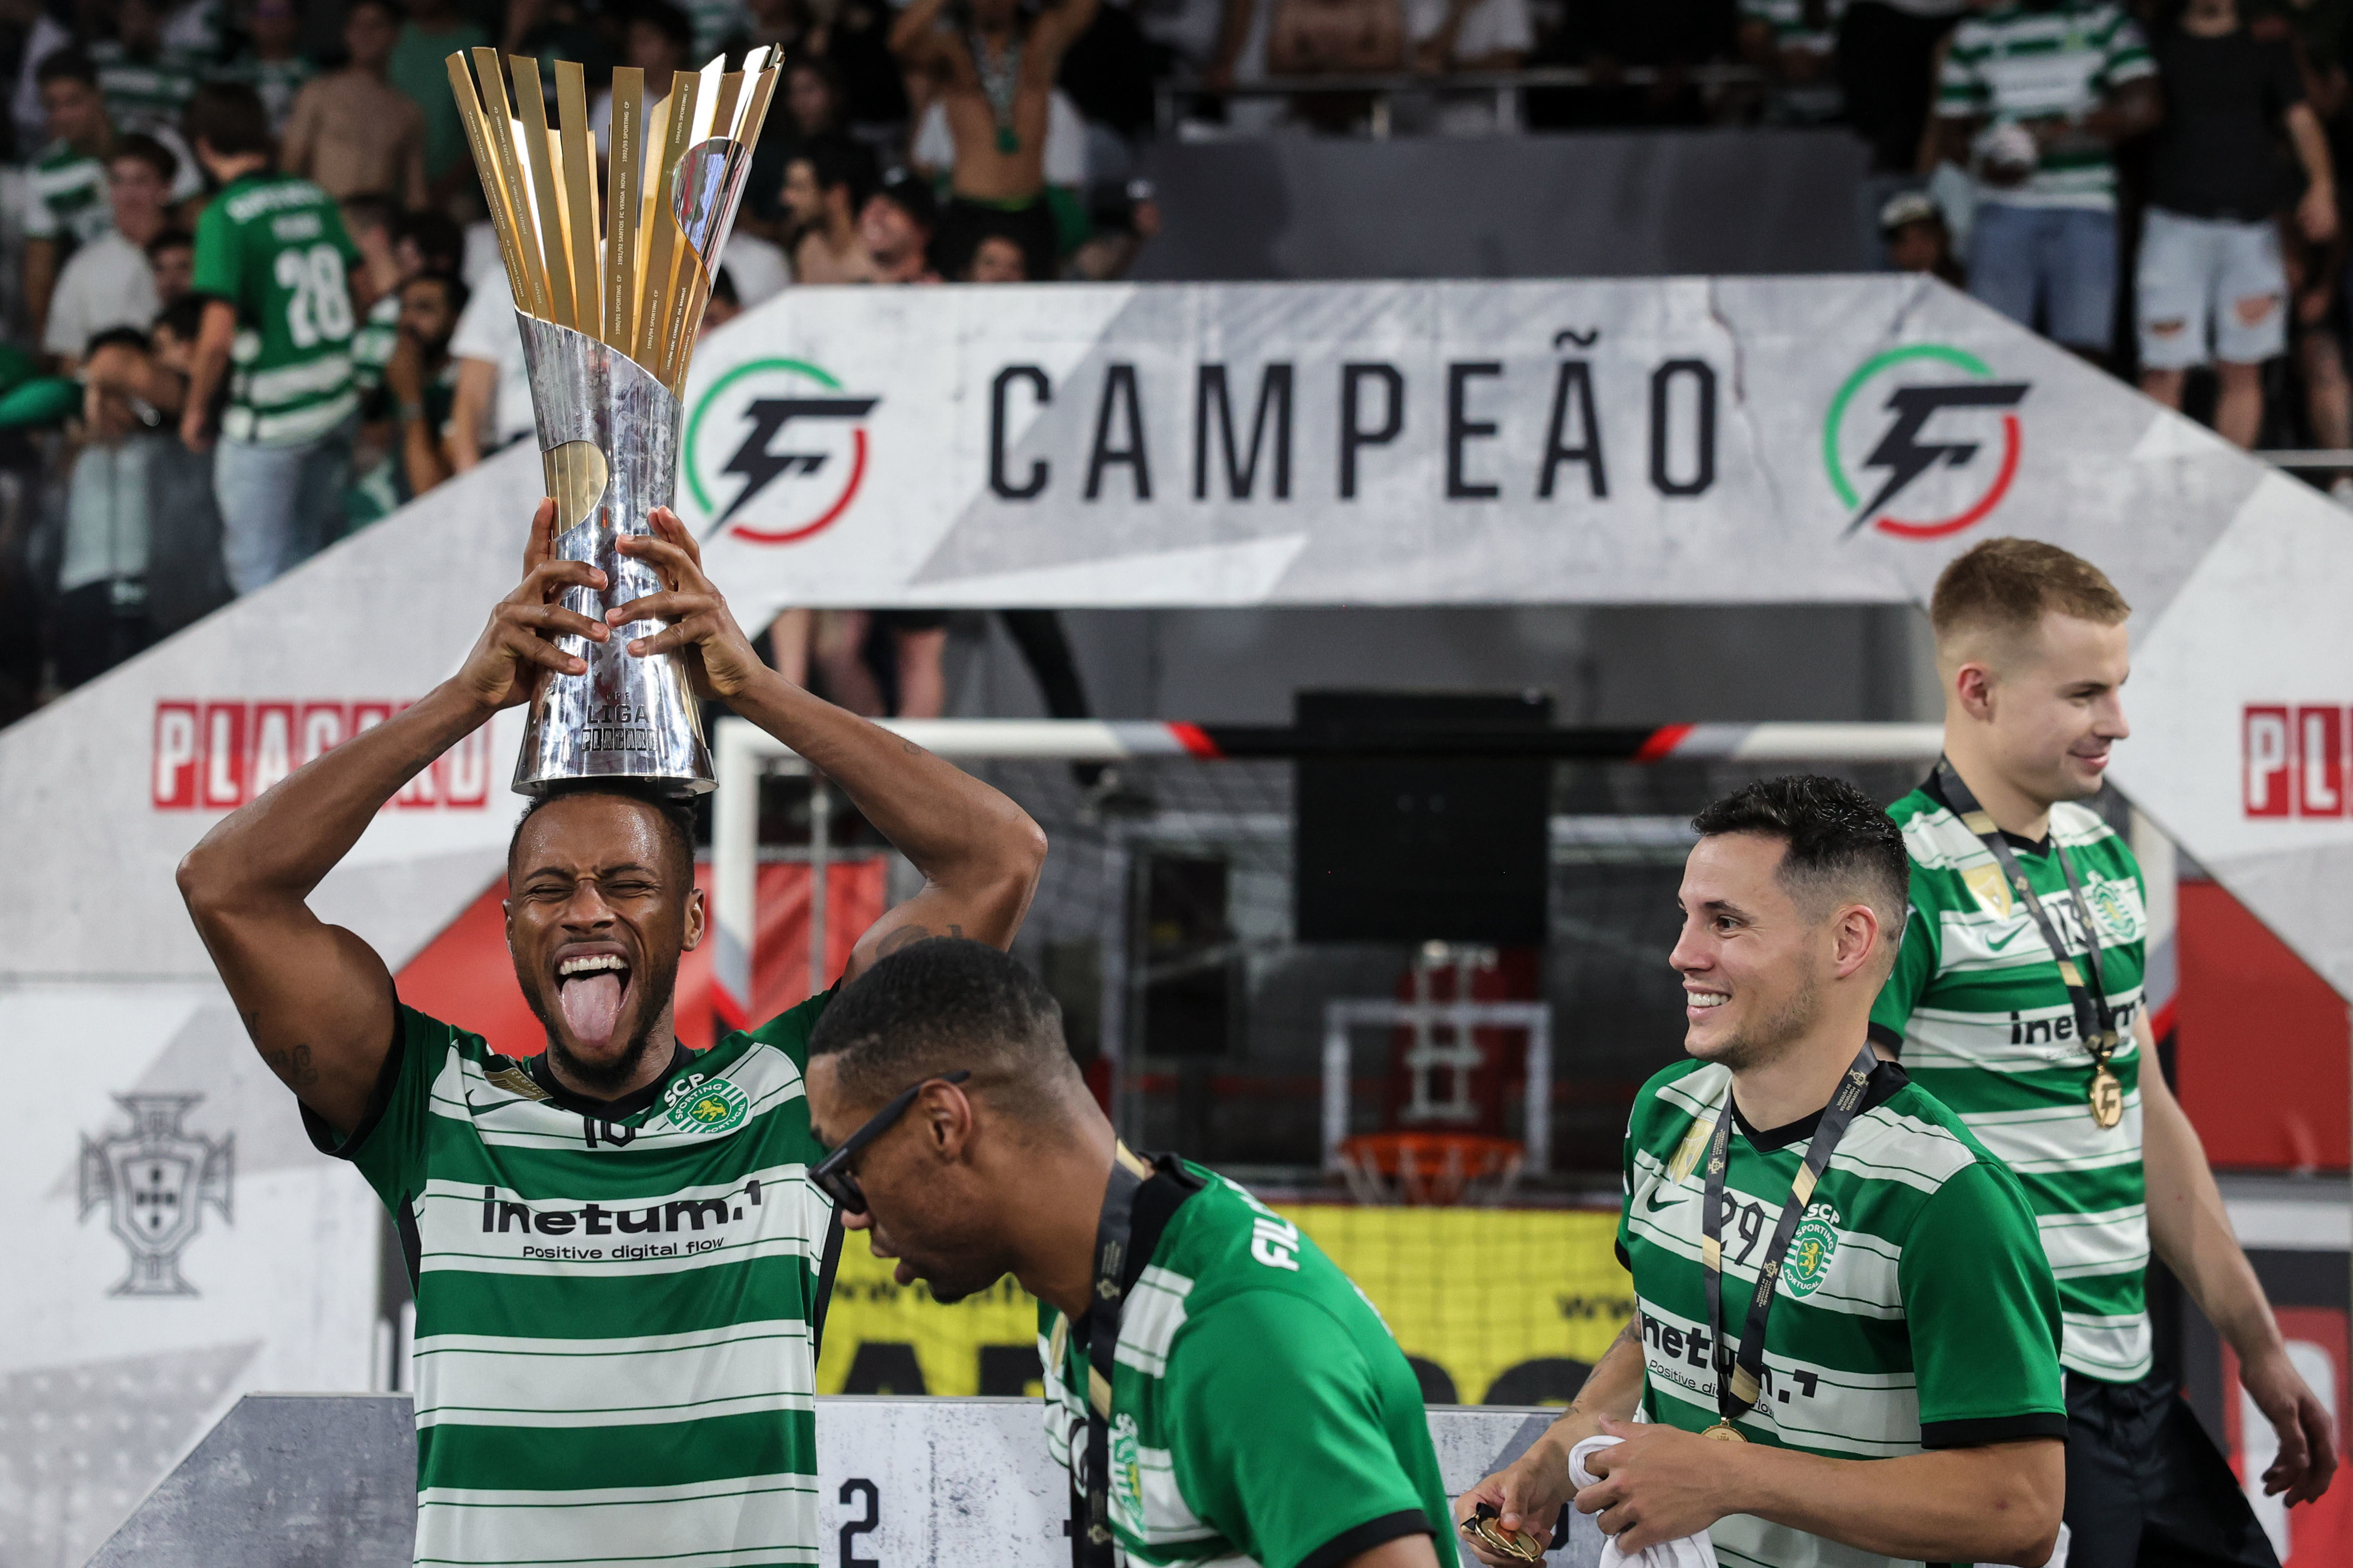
(614, 1245)
(1845, 1334)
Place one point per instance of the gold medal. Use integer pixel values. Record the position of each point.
(2106, 1093)
(1726, 1432)
(1482, 1528)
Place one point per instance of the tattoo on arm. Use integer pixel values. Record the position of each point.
(293, 1065)
(907, 936)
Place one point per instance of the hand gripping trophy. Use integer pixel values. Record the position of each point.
(609, 310)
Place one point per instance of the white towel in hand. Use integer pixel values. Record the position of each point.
(1685, 1552)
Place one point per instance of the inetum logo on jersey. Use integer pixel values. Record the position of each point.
(215, 756)
(2294, 757)
(776, 451)
(1928, 426)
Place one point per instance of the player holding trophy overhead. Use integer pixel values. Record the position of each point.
(613, 1246)
(1845, 1335)
(2016, 1001)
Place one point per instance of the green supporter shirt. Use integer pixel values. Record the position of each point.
(144, 91)
(1983, 1022)
(612, 1355)
(1261, 1414)
(274, 246)
(417, 67)
(64, 199)
(1915, 1309)
(2019, 62)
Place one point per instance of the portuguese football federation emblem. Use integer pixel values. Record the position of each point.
(1810, 1247)
(154, 1181)
(713, 1105)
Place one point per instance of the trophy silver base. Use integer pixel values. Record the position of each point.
(609, 436)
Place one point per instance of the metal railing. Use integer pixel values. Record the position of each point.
(1507, 89)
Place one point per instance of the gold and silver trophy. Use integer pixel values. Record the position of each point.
(610, 279)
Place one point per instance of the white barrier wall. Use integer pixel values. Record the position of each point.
(1671, 440)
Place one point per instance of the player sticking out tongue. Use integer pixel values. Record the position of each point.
(590, 988)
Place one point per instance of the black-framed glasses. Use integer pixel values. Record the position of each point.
(831, 1173)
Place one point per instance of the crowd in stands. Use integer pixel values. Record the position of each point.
(249, 302)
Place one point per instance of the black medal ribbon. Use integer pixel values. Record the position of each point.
(2095, 1020)
(1137, 1202)
(1737, 1394)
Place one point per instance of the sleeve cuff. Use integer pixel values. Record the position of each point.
(324, 1138)
(1881, 1035)
(1977, 1433)
(1364, 1537)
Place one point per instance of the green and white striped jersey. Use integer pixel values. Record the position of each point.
(64, 199)
(142, 92)
(1914, 1308)
(378, 335)
(1808, 25)
(612, 1356)
(1981, 1017)
(274, 246)
(2017, 63)
(1261, 1413)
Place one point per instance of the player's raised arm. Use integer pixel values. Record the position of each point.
(316, 999)
(978, 852)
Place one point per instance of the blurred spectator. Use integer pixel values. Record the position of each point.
(1795, 44)
(1320, 37)
(897, 227)
(826, 185)
(100, 615)
(2038, 95)
(996, 259)
(1450, 36)
(1912, 227)
(808, 107)
(146, 85)
(273, 262)
(36, 35)
(429, 242)
(660, 41)
(64, 200)
(434, 28)
(492, 403)
(353, 131)
(1064, 165)
(110, 281)
(882, 663)
(1122, 225)
(2209, 252)
(1886, 58)
(422, 377)
(761, 271)
(172, 258)
(271, 63)
(373, 222)
(997, 81)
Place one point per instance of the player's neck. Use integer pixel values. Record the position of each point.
(1800, 1079)
(2013, 810)
(1057, 1217)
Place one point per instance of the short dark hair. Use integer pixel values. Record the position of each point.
(112, 338)
(666, 19)
(67, 64)
(912, 196)
(228, 117)
(437, 236)
(453, 288)
(1841, 847)
(165, 239)
(184, 317)
(147, 150)
(676, 812)
(2009, 585)
(942, 1004)
(722, 288)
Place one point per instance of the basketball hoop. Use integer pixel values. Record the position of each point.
(1430, 1168)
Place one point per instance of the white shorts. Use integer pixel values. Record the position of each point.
(2202, 275)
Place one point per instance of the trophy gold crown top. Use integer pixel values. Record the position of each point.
(628, 260)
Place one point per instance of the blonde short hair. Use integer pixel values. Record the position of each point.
(2007, 585)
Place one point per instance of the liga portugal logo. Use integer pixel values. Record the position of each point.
(1922, 441)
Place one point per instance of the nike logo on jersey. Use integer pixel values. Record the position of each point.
(1650, 1204)
(2016, 931)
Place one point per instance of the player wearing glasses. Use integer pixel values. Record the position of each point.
(612, 1244)
(1220, 1391)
